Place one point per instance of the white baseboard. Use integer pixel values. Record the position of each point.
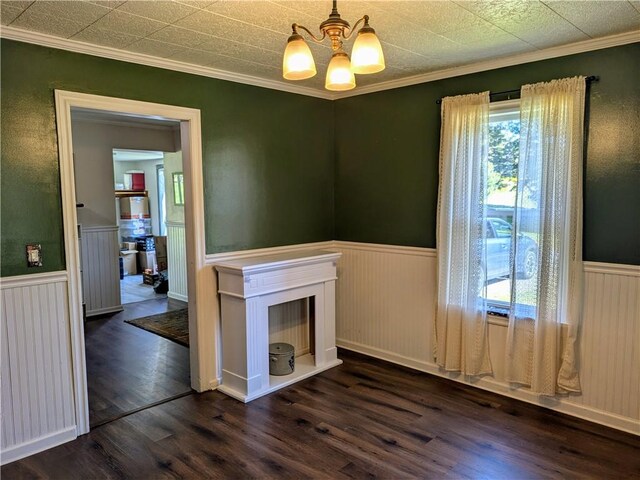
(103, 311)
(178, 296)
(16, 452)
(618, 422)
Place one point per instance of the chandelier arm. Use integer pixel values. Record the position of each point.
(295, 27)
(364, 20)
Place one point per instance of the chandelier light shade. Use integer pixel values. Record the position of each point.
(340, 77)
(297, 63)
(367, 56)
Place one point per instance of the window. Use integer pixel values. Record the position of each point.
(178, 188)
(501, 207)
(162, 206)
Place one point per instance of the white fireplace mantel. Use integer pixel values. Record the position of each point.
(248, 287)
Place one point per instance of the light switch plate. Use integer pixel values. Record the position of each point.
(34, 255)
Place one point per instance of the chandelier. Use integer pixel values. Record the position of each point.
(366, 56)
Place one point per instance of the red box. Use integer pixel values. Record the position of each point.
(137, 182)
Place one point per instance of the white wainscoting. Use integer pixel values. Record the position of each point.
(37, 391)
(177, 261)
(100, 248)
(385, 308)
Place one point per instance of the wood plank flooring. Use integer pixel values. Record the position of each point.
(129, 368)
(363, 419)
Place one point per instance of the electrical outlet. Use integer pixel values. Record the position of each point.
(34, 255)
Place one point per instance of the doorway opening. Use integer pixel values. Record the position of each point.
(197, 363)
(137, 330)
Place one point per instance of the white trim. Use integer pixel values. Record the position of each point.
(102, 311)
(544, 54)
(16, 452)
(174, 224)
(593, 267)
(178, 296)
(13, 33)
(203, 360)
(486, 383)
(99, 228)
(33, 279)
(214, 258)
(129, 124)
(377, 247)
(612, 269)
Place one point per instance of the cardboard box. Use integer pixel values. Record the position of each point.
(147, 261)
(129, 246)
(129, 263)
(134, 207)
(145, 243)
(131, 229)
(161, 246)
(149, 278)
(161, 262)
(134, 180)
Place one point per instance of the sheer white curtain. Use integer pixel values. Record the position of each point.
(461, 342)
(550, 178)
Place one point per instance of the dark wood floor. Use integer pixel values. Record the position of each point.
(129, 368)
(363, 419)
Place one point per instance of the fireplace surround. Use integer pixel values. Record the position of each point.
(248, 287)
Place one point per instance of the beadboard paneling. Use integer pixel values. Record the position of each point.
(37, 390)
(177, 261)
(610, 353)
(386, 304)
(100, 269)
(385, 299)
(289, 323)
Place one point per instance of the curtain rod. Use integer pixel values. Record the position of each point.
(592, 78)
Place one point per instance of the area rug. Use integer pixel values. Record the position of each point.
(172, 325)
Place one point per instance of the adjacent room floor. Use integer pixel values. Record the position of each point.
(133, 290)
(363, 419)
(129, 368)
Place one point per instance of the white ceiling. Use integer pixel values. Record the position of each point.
(248, 37)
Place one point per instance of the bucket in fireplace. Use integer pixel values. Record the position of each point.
(281, 359)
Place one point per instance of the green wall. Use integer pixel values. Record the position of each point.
(272, 160)
(268, 155)
(387, 147)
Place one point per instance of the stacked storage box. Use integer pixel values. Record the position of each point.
(129, 263)
(135, 219)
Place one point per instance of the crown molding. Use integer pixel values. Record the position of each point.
(553, 52)
(12, 33)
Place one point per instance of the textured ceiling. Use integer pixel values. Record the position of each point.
(248, 37)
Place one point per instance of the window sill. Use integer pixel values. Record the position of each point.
(497, 320)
